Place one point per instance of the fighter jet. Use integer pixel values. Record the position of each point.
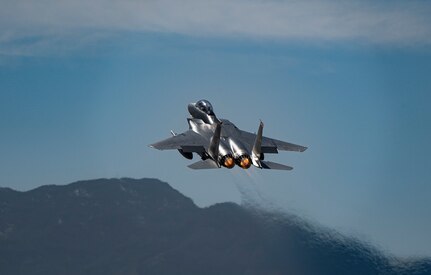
(219, 143)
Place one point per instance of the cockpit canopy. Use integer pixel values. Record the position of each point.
(205, 106)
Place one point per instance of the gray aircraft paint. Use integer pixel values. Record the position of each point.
(219, 143)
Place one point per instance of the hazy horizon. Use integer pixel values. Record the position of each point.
(85, 87)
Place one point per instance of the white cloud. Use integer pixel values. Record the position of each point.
(403, 23)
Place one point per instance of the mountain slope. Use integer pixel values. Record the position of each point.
(127, 226)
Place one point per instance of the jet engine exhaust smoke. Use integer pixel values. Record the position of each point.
(247, 185)
(309, 248)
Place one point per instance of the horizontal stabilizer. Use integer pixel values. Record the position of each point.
(274, 165)
(204, 164)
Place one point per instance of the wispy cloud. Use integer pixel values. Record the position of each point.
(403, 23)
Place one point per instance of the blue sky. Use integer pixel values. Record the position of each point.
(85, 88)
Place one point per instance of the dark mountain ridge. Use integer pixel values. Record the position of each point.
(128, 226)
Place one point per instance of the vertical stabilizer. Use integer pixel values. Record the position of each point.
(257, 147)
(214, 144)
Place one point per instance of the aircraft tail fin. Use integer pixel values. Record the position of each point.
(274, 165)
(214, 143)
(257, 147)
(204, 164)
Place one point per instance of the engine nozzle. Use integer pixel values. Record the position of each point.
(227, 161)
(244, 161)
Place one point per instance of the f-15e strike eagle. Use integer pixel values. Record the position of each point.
(220, 143)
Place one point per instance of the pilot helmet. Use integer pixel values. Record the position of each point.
(205, 106)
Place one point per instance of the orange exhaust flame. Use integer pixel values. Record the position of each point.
(245, 162)
(229, 162)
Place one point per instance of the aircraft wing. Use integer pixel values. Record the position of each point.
(270, 145)
(282, 145)
(188, 141)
